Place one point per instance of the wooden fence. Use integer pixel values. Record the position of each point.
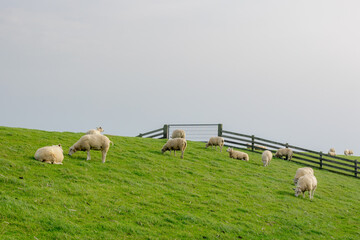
(301, 155)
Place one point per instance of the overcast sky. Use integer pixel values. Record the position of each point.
(282, 70)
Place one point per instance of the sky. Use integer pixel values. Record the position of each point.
(283, 70)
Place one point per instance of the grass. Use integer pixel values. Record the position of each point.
(141, 194)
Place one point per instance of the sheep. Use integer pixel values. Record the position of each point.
(332, 150)
(98, 130)
(50, 154)
(346, 152)
(301, 172)
(178, 133)
(215, 141)
(237, 154)
(351, 152)
(175, 144)
(332, 153)
(266, 157)
(284, 152)
(305, 183)
(92, 142)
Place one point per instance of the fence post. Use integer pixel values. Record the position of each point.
(286, 145)
(252, 142)
(220, 128)
(321, 159)
(356, 167)
(166, 131)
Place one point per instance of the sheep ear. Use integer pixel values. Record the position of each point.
(59, 145)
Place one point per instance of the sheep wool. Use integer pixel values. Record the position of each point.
(237, 154)
(266, 157)
(178, 133)
(346, 152)
(215, 141)
(174, 145)
(50, 154)
(284, 152)
(332, 154)
(92, 142)
(301, 172)
(305, 183)
(98, 130)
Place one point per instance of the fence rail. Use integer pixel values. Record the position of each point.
(301, 155)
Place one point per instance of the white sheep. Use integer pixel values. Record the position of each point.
(346, 152)
(237, 154)
(266, 157)
(332, 153)
(50, 154)
(175, 144)
(215, 141)
(332, 150)
(301, 172)
(351, 152)
(284, 152)
(92, 142)
(260, 147)
(305, 183)
(178, 133)
(98, 130)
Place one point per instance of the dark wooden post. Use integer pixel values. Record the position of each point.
(321, 159)
(166, 131)
(286, 145)
(252, 142)
(356, 168)
(220, 129)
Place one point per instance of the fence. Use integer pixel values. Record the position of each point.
(202, 132)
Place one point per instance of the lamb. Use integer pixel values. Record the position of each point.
(50, 154)
(92, 142)
(215, 141)
(237, 154)
(305, 183)
(178, 133)
(175, 144)
(284, 152)
(301, 172)
(98, 130)
(266, 157)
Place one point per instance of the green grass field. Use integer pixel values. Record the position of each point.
(141, 194)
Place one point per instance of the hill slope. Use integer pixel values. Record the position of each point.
(141, 194)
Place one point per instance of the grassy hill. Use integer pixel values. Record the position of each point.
(141, 194)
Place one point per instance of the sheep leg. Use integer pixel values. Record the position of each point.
(175, 153)
(182, 154)
(220, 148)
(303, 194)
(103, 156)
(88, 156)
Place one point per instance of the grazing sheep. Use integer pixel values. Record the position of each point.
(266, 157)
(248, 146)
(50, 154)
(178, 133)
(92, 142)
(175, 144)
(305, 183)
(215, 141)
(284, 152)
(351, 152)
(237, 154)
(346, 152)
(301, 172)
(332, 153)
(332, 150)
(98, 130)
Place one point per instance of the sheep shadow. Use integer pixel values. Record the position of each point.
(286, 193)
